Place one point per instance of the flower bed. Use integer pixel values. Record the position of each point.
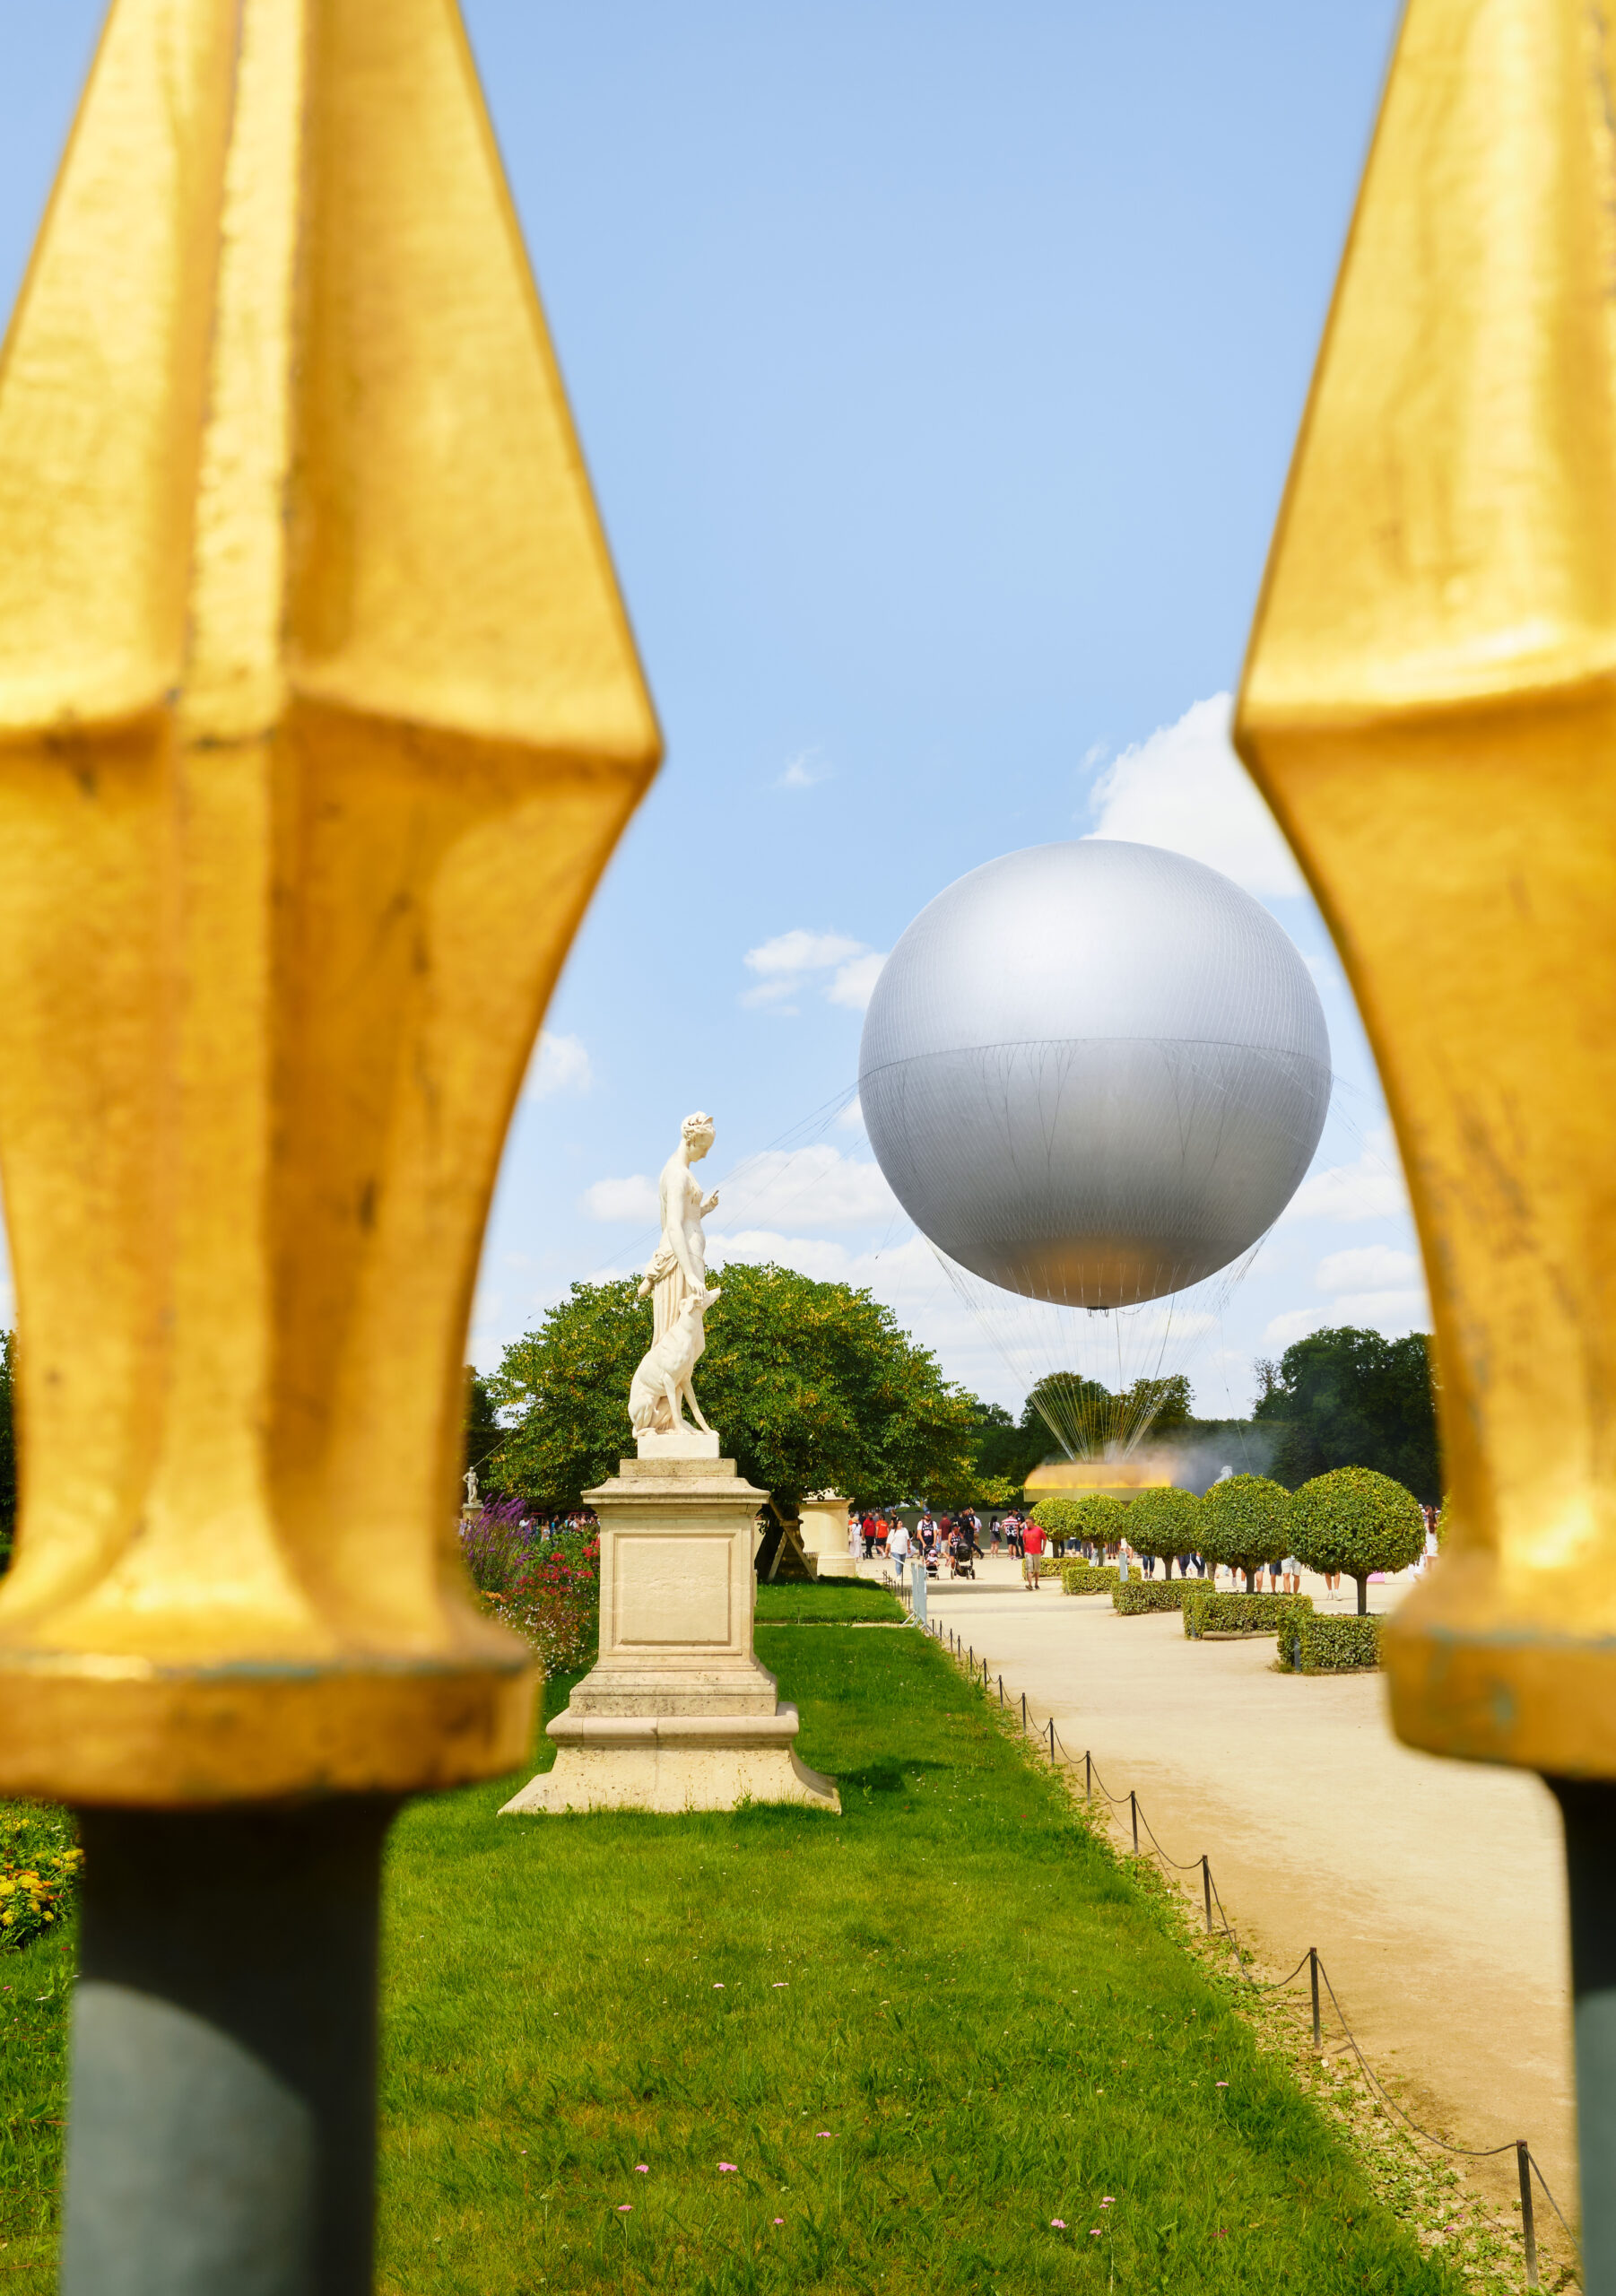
(1329, 1646)
(1087, 1578)
(40, 1863)
(1206, 1611)
(1137, 1595)
(547, 1591)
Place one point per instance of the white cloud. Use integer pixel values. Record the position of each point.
(1368, 1267)
(559, 1065)
(786, 961)
(810, 1187)
(1294, 1325)
(1371, 1188)
(1391, 1312)
(800, 952)
(634, 1198)
(854, 982)
(852, 1118)
(806, 771)
(1185, 788)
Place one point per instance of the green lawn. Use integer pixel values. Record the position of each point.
(919, 2032)
(827, 1602)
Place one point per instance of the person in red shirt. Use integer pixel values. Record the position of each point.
(1032, 1547)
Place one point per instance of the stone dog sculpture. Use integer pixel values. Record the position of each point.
(661, 1385)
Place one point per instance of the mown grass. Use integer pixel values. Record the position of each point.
(36, 1988)
(828, 1602)
(920, 2033)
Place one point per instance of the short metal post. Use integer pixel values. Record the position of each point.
(1134, 1814)
(1052, 1738)
(1522, 2154)
(1001, 1689)
(1588, 1807)
(1088, 1776)
(1206, 1890)
(1313, 1973)
(1023, 1713)
(224, 2052)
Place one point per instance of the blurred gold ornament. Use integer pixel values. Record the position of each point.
(319, 717)
(1429, 707)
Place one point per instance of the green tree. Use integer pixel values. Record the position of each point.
(1246, 1522)
(1345, 1397)
(1158, 1405)
(812, 1386)
(1165, 1522)
(1005, 1453)
(1092, 1516)
(1355, 1521)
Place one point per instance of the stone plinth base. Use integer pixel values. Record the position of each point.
(676, 1714)
(674, 1761)
(834, 1566)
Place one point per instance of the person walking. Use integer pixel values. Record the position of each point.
(1032, 1554)
(897, 1545)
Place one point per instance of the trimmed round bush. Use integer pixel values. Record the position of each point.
(1165, 1522)
(1246, 1522)
(1092, 1516)
(1355, 1520)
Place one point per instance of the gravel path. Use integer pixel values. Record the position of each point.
(1434, 1890)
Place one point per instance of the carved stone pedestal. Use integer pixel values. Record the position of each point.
(677, 1714)
(822, 1521)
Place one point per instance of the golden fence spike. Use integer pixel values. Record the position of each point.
(319, 715)
(1427, 706)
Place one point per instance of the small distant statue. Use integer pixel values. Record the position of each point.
(678, 1266)
(471, 1487)
(676, 1280)
(661, 1385)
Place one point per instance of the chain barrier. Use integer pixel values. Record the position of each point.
(1094, 1788)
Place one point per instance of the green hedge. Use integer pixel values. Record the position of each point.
(1205, 1611)
(1149, 1594)
(1087, 1578)
(1329, 1646)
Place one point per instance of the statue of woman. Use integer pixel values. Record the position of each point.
(678, 1267)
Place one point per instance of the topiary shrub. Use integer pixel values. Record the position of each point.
(1355, 1520)
(1206, 1611)
(1094, 1517)
(1165, 1522)
(1313, 1645)
(1088, 1577)
(1246, 1522)
(1149, 1594)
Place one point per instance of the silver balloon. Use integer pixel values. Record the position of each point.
(1094, 1073)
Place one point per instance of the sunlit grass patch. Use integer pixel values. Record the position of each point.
(776, 2050)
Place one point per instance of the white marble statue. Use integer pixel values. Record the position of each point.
(678, 1266)
(471, 1486)
(661, 1385)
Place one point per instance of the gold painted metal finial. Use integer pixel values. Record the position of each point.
(1429, 705)
(319, 717)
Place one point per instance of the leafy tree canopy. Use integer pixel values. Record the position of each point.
(812, 1386)
(1355, 1520)
(1092, 1516)
(483, 1432)
(1354, 1398)
(1246, 1522)
(1165, 1521)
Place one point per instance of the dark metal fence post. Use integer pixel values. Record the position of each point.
(1522, 2154)
(1023, 1713)
(1001, 1689)
(1134, 1814)
(1206, 1890)
(1052, 1738)
(1088, 1776)
(1588, 1806)
(1313, 1973)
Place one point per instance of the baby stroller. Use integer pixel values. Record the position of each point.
(961, 1556)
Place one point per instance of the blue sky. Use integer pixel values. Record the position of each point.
(938, 367)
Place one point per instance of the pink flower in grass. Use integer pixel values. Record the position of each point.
(1222, 2084)
(642, 2168)
(1057, 2223)
(780, 2220)
(718, 1989)
(1109, 2201)
(726, 2168)
(824, 2132)
(624, 2206)
(1094, 2231)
